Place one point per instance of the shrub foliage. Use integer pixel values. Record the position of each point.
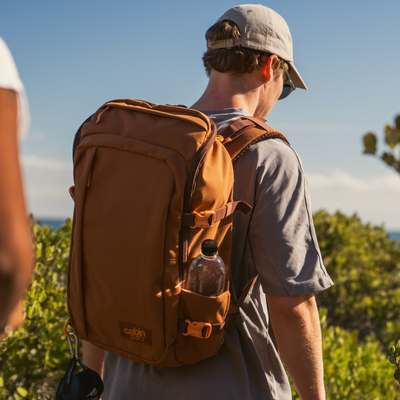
(364, 263)
(359, 315)
(354, 370)
(34, 357)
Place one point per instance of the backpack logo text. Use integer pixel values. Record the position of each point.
(136, 333)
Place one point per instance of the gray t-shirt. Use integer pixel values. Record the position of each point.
(277, 241)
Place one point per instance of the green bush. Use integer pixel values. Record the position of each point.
(34, 357)
(362, 260)
(353, 369)
(393, 356)
(365, 266)
(356, 370)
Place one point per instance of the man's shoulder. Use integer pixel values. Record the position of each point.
(272, 154)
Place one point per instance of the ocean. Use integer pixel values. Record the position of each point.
(56, 223)
(394, 235)
(52, 223)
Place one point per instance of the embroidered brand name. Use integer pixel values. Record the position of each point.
(136, 333)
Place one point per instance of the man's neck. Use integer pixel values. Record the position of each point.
(228, 91)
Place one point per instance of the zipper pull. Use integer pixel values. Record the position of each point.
(72, 192)
(100, 114)
(88, 179)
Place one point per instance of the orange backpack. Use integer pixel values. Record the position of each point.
(151, 183)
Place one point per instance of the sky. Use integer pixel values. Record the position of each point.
(73, 56)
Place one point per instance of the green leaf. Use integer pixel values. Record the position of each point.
(22, 391)
(397, 375)
(50, 363)
(49, 251)
(39, 250)
(1, 382)
(392, 136)
(41, 296)
(391, 351)
(397, 122)
(369, 143)
(388, 159)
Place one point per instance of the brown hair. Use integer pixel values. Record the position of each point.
(237, 60)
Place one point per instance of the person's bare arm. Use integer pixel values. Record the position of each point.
(93, 357)
(297, 330)
(16, 258)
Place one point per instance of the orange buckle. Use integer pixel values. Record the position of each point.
(202, 219)
(196, 329)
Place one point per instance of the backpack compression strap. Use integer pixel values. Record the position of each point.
(206, 219)
(246, 131)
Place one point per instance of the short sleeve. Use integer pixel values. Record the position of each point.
(9, 79)
(281, 233)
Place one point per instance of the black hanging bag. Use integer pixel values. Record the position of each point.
(84, 385)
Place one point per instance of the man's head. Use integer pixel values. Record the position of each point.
(244, 37)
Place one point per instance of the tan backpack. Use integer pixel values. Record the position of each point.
(151, 183)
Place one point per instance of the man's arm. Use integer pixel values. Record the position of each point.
(93, 357)
(16, 259)
(297, 331)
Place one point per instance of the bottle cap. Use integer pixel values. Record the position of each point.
(209, 247)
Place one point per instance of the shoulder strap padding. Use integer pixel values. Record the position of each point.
(245, 132)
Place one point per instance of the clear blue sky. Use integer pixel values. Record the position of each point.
(75, 55)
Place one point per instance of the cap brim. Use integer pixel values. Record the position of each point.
(296, 78)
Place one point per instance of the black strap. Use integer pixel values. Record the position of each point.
(68, 376)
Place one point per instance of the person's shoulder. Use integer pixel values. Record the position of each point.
(3, 46)
(273, 154)
(6, 57)
(9, 77)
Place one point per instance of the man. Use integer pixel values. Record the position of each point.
(15, 242)
(250, 64)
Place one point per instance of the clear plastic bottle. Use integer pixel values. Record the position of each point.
(207, 271)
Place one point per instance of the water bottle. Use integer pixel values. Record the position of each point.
(207, 271)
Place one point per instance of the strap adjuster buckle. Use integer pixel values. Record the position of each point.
(201, 330)
(203, 219)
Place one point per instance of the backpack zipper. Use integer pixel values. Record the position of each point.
(189, 189)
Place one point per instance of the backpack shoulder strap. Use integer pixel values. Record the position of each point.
(246, 131)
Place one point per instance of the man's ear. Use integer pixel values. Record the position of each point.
(268, 67)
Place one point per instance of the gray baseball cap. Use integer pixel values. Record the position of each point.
(262, 29)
